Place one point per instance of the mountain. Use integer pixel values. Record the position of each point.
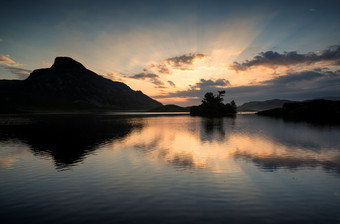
(254, 106)
(170, 108)
(68, 85)
(333, 98)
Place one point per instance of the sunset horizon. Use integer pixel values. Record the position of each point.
(177, 51)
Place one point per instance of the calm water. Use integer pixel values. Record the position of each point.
(116, 168)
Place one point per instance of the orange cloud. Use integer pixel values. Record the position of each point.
(5, 60)
(114, 76)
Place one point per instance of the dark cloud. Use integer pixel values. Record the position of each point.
(274, 59)
(144, 76)
(183, 62)
(202, 84)
(294, 86)
(293, 78)
(157, 82)
(172, 83)
(161, 68)
(306, 78)
(178, 61)
(153, 78)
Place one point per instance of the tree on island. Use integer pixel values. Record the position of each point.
(212, 106)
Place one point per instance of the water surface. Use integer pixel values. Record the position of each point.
(143, 168)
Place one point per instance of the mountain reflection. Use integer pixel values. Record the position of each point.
(182, 142)
(68, 139)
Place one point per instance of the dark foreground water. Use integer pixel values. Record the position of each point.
(113, 168)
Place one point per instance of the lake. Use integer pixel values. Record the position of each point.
(167, 168)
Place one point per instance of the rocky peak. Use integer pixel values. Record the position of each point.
(65, 64)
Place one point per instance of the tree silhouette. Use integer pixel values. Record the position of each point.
(233, 105)
(209, 98)
(212, 106)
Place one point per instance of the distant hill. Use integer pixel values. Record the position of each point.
(170, 108)
(312, 110)
(255, 106)
(333, 98)
(68, 85)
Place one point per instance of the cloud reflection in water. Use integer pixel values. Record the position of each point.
(217, 144)
(183, 142)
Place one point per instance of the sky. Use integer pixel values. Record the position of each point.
(176, 51)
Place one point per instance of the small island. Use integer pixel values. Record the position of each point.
(212, 106)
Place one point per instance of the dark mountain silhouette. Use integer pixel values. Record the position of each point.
(255, 106)
(334, 98)
(68, 85)
(170, 108)
(321, 111)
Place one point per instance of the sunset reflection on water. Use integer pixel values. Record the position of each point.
(215, 144)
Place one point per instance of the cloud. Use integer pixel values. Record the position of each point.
(158, 83)
(304, 78)
(183, 62)
(179, 61)
(10, 65)
(161, 68)
(114, 76)
(274, 59)
(19, 71)
(172, 83)
(153, 78)
(144, 76)
(203, 83)
(1, 40)
(5, 60)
